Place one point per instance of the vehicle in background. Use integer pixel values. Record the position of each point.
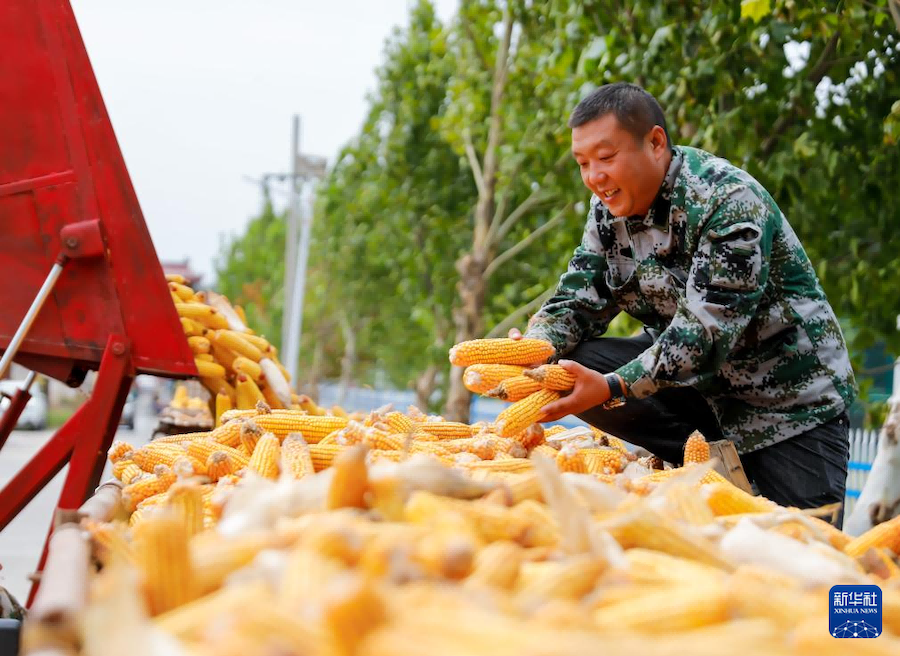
(34, 416)
(129, 410)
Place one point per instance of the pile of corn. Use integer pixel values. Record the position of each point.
(287, 533)
(237, 366)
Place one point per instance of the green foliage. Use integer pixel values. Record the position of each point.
(250, 272)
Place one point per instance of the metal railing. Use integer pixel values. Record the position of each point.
(863, 447)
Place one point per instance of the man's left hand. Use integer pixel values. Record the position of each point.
(590, 390)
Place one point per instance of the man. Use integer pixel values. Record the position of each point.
(739, 340)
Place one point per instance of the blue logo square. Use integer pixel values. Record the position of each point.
(854, 611)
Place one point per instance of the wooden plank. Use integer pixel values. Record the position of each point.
(729, 463)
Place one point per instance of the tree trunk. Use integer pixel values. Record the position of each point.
(425, 384)
(348, 362)
(468, 318)
(314, 375)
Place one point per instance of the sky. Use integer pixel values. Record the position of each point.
(201, 94)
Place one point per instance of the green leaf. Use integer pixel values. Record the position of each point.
(755, 10)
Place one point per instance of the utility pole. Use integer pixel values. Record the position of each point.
(290, 244)
(306, 170)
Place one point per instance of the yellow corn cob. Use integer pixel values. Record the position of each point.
(514, 389)
(521, 414)
(152, 454)
(223, 405)
(667, 610)
(696, 449)
(271, 397)
(247, 366)
(569, 459)
(109, 541)
(350, 481)
(296, 459)
(218, 464)
(259, 342)
(727, 499)
(306, 574)
(186, 500)
(434, 448)
(323, 455)
(118, 450)
(176, 299)
(186, 466)
(266, 457)
(182, 291)
(131, 473)
(569, 580)
(312, 427)
(120, 465)
(229, 433)
(202, 449)
(480, 378)
(202, 314)
(885, 535)
(530, 437)
(250, 434)
(552, 377)
(501, 351)
(511, 465)
(205, 357)
(209, 369)
(224, 356)
(353, 609)
(510, 446)
(146, 487)
(199, 345)
(446, 429)
(237, 343)
(386, 441)
(247, 393)
(685, 504)
(546, 450)
(162, 556)
(192, 328)
(524, 486)
(176, 277)
(554, 430)
(398, 422)
(604, 460)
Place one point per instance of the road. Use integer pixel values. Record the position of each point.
(22, 540)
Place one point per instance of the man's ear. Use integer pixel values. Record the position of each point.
(658, 141)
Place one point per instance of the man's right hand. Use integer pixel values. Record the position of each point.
(514, 333)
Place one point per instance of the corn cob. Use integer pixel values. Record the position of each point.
(205, 357)
(224, 356)
(552, 377)
(604, 460)
(182, 291)
(131, 473)
(202, 314)
(546, 450)
(480, 378)
(146, 487)
(208, 369)
(554, 430)
(353, 609)
(514, 389)
(667, 610)
(266, 458)
(202, 449)
(524, 486)
(569, 459)
(323, 455)
(570, 580)
(260, 342)
(521, 414)
(247, 392)
(250, 434)
(696, 449)
(186, 466)
(386, 441)
(296, 459)
(530, 438)
(161, 553)
(501, 351)
(727, 499)
(446, 429)
(199, 345)
(223, 405)
(270, 396)
(399, 422)
(511, 465)
(151, 455)
(248, 367)
(885, 535)
(109, 541)
(118, 450)
(186, 500)
(350, 480)
(312, 427)
(236, 342)
(218, 464)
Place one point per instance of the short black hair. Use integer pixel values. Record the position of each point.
(635, 109)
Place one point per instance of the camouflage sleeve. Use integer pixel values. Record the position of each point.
(582, 303)
(725, 284)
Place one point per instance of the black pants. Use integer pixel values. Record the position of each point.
(805, 471)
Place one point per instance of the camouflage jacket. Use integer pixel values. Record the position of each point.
(719, 278)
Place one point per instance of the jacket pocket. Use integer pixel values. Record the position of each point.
(735, 258)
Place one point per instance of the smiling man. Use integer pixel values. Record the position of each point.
(739, 340)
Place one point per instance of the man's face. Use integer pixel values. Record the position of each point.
(624, 172)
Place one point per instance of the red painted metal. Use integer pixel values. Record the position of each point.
(65, 196)
(17, 403)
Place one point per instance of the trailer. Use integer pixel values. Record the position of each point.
(83, 288)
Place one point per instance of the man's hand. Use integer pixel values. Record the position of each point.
(590, 390)
(514, 333)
